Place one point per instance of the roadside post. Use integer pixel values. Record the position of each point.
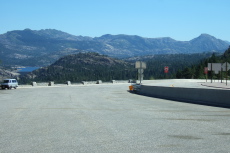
(206, 72)
(210, 69)
(166, 70)
(140, 66)
(226, 66)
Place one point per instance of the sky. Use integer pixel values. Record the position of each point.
(181, 20)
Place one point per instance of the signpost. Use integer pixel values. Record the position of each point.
(219, 67)
(166, 69)
(140, 66)
(206, 72)
(226, 66)
(216, 67)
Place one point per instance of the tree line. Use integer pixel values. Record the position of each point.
(196, 71)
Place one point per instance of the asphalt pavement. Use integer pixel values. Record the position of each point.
(106, 118)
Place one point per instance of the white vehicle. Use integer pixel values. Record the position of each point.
(9, 83)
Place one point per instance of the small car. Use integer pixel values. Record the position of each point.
(9, 83)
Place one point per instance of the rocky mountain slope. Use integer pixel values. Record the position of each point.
(82, 66)
(43, 47)
(7, 73)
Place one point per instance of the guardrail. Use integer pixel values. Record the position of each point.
(212, 97)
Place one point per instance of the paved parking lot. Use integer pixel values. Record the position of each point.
(107, 118)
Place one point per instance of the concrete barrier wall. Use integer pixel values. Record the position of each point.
(211, 97)
(34, 84)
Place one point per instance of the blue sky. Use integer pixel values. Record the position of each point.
(179, 19)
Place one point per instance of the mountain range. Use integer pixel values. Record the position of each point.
(43, 47)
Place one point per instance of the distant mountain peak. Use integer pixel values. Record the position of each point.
(204, 37)
(166, 39)
(27, 29)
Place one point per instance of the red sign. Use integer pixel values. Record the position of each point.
(166, 69)
(205, 70)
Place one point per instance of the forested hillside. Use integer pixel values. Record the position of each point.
(175, 62)
(83, 67)
(196, 71)
(93, 66)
